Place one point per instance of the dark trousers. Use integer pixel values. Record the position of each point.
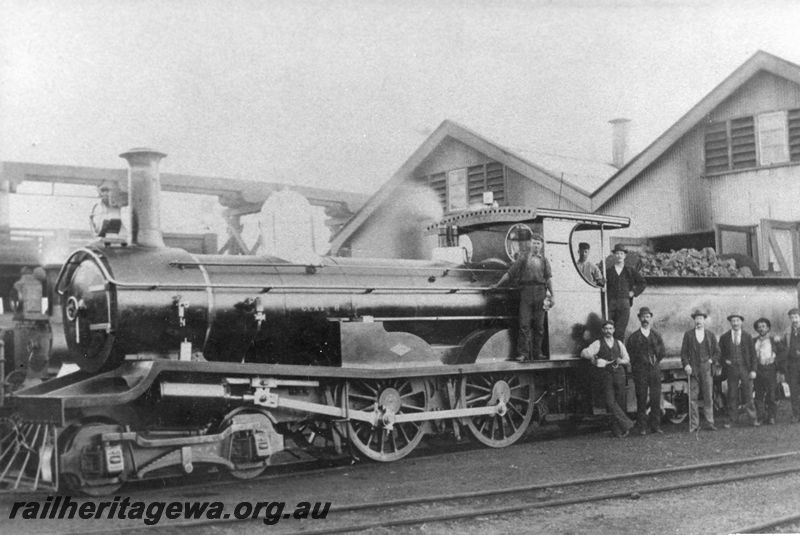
(766, 383)
(647, 380)
(531, 313)
(613, 383)
(793, 378)
(701, 381)
(619, 311)
(739, 382)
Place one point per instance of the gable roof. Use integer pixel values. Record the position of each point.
(579, 177)
(760, 61)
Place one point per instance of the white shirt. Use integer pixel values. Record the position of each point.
(764, 351)
(700, 334)
(645, 332)
(737, 337)
(618, 269)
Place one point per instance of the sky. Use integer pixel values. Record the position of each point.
(339, 93)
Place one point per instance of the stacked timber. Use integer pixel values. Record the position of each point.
(690, 263)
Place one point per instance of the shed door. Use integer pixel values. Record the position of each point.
(780, 250)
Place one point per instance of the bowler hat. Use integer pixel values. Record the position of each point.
(736, 316)
(699, 312)
(645, 310)
(583, 245)
(793, 311)
(619, 247)
(608, 322)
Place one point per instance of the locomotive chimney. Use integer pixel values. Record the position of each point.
(144, 190)
(619, 141)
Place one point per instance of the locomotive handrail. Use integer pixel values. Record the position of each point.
(245, 264)
(317, 266)
(306, 287)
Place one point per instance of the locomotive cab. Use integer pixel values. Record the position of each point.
(580, 303)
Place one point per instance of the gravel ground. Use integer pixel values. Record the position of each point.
(547, 457)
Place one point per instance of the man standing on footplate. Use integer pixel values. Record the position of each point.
(623, 283)
(532, 272)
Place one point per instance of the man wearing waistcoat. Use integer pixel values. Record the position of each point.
(531, 270)
(623, 283)
(789, 362)
(739, 363)
(646, 349)
(610, 357)
(700, 358)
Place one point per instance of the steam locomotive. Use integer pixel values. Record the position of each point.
(206, 361)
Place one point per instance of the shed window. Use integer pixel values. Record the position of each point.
(749, 142)
(458, 189)
(773, 142)
(793, 120)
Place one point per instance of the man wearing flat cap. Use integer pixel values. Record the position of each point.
(700, 358)
(737, 352)
(623, 283)
(789, 361)
(646, 349)
(531, 271)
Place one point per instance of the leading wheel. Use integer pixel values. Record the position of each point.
(515, 396)
(386, 398)
(82, 455)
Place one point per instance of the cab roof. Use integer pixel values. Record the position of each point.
(490, 216)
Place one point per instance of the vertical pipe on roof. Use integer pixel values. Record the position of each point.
(619, 141)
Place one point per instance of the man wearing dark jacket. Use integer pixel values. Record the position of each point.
(623, 283)
(739, 363)
(646, 349)
(700, 358)
(789, 361)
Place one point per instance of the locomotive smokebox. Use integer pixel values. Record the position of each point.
(144, 190)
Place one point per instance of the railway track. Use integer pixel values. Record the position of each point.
(438, 509)
(784, 524)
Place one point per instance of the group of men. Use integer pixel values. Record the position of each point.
(531, 271)
(752, 367)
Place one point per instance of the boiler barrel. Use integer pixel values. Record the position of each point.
(145, 302)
